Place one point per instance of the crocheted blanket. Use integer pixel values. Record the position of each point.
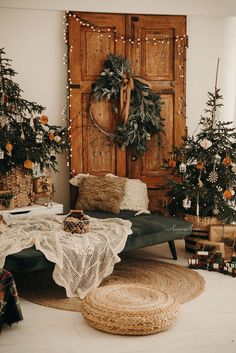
(81, 260)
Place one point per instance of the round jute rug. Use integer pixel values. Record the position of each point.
(182, 283)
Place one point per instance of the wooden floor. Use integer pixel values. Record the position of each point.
(206, 325)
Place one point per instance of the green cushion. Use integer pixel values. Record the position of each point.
(27, 260)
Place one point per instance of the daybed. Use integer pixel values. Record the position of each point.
(148, 229)
(110, 197)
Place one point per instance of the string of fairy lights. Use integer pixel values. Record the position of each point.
(111, 33)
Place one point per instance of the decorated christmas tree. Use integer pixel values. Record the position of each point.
(26, 138)
(206, 168)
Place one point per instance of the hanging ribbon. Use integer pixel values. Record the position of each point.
(125, 95)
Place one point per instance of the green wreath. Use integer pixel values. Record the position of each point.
(140, 107)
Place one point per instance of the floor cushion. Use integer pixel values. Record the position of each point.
(129, 309)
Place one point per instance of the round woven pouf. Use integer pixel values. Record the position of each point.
(130, 309)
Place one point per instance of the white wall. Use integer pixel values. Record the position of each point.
(210, 38)
(174, 7)
(34, 40)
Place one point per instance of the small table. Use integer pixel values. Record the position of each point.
(33, 210)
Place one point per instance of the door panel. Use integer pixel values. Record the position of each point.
(94, 153)
(155, 158)
(156, 51)
(92, 63)
(98, 151)
(161, 61)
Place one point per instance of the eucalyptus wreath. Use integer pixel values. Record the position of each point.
(144, 114)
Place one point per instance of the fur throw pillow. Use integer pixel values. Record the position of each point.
(136, 194)
(101, 193)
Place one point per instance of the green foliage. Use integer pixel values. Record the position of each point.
(196, 184)
(20, 127)
(5, 199)
(144, 118)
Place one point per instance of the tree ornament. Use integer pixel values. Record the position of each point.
(200, 165)
(232, 192)
(32, 123)
(205, 143)
(172, 163)
(4, 99)
(39, 138)
(187, 202)
(22, 136)
(216, 211)
(213, 177)
(19, 118)
(233, 169)
(28, 164)
(51, 136)
(46, 128)
(217, 158)
(200, 183)
(57, 138)
(43, 119)
(228, 193)
(182, 167)
(227, 161)
(1, 154)
(9, 148)
(197, 205)
(3, 120)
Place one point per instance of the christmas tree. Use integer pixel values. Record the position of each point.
(205, 169)
(26, 138)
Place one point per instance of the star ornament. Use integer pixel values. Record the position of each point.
(213, 177)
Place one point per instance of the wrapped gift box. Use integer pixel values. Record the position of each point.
(43, 184)
(218, 232)
(42, 198)
(200, 231)
(214, 246)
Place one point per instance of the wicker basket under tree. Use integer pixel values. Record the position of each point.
(20, 185)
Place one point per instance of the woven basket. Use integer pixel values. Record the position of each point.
(201, 228)
(20, 184)
(76, 222)
(130, 309)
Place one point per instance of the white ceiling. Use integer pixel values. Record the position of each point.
(181, 7)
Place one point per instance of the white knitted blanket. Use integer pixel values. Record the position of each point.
(81, 260)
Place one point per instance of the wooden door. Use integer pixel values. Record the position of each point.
(92, 152)
(161, 61)
(158, 56)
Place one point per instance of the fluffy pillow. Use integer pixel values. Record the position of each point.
(75, 181)
(100, 193)
(136, 195)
